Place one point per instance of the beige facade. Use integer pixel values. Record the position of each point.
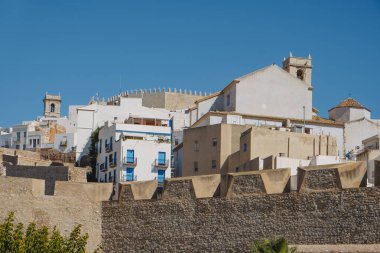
(52, 106)
(299, 67)
(225, 148)
(171, 100)
(206, 149)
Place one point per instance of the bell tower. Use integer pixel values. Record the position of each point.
(299, 67)
(52, 106)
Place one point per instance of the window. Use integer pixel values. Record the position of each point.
(114, 176)
(214, 142)
(30, 142)
(24, 134)
(300, 74)
(105, 177)
(228, 100)
(161, 176)
(17, 146)
(161, 158)
(237, 169)
(245, 147)
(18, 136)
(130, 156)
(106, 162)
(176, 141)
(52, 108)
(114, 159)
(195, 166)
(111, 143)
(110, 176)
(100, 146)
(130, 174)
(213, 164)
(24, 147)
(196, 148)
(38, 141)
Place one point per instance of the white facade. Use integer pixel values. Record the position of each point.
(65, 142)
(6, 139)
(95, 115)
(130, 152)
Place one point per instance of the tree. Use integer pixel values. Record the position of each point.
(272, 246)
(93, 154)
(36, 240)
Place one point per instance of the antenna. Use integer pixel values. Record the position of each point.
(120, 84)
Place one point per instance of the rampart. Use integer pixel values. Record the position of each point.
(74, 203)
(50, 174)
(256, 205)
(162, 98)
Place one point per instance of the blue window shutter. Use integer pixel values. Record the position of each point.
(111, 142)
(130, 174)
(161, 176)
(114, 175)
(115, 158)
(161, 158)
(130, 156)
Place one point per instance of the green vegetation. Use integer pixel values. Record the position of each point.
(36, 240)
(272, 246)
(93, 154)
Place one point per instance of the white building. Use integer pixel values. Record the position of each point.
(137, 150)
(88, 118)
(271, 96)
(358, 124)
(5, 138)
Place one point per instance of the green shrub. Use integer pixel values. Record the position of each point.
(37, 240)
(272, 246)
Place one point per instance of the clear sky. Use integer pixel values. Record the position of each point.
(79, 48)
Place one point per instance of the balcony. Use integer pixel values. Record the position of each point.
(16, 140)
(112, 164)
(161, 163)
(130, 161)
(102, 168)
(108, 148)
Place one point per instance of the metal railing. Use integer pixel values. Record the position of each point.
(130, 161)
(109, 148)
(162, 163)
(102, 168)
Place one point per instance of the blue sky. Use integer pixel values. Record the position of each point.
(79, 48)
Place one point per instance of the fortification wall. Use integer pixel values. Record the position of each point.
(182, 222)
(74, 204)
(49, 174)
(162, 98)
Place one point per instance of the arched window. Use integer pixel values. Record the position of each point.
(300, 74)
(52, 108)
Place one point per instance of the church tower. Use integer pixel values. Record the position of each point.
(52, 106)
(299, 67)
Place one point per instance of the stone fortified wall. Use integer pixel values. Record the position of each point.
(50, 174)
(257, 205)
(73, 203)
(161, 98)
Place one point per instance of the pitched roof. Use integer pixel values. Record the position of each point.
(350, 102)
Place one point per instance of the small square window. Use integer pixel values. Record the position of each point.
(213, 164)
(214, 142)
(195, 166)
